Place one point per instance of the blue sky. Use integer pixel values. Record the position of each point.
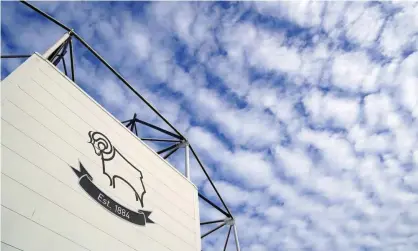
(305, 113)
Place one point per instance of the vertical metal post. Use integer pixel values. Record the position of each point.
(72, 60)
(187, 160)
(236, 238)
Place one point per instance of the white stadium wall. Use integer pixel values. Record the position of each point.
(74, 178)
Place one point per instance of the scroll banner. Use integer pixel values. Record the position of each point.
(86, 182)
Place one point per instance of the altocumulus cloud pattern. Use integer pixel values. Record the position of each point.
(305, 113)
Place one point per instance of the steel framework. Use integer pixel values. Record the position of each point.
(55, 55)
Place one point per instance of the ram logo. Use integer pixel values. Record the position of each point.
(114, 163)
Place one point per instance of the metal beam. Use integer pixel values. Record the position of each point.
(213, 230)
(211, 182)
(46, 15)
(236, 238)
(54, 58)
(60, 53)
(65, 66)
(187, 160)
(161, 140)
(129, 120)
(159, 129)
(215, 206)
(134, 118)
(129, 124)
(211, 222)
(171, 152)
(136, 131)
(132, 127)
(227, 237)
(15, 56)
(133, 124)
(72, 60)
(168, 148)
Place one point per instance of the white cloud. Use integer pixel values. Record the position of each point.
(378, 108)
(251, 167)
(339, 111)
(295, 163)
(334, 14)
(331, 145)
(112, 93)
(273, 56)
(240, 125)
(235, 196)
(265, 50)
(354, 71)
(141, 44)
(407, 79)
(206, 140)
(305, 14)
(364, 28)
(274, 213)
(365, 141)
(398, 31)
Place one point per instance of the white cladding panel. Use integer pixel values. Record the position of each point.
(46, 120)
